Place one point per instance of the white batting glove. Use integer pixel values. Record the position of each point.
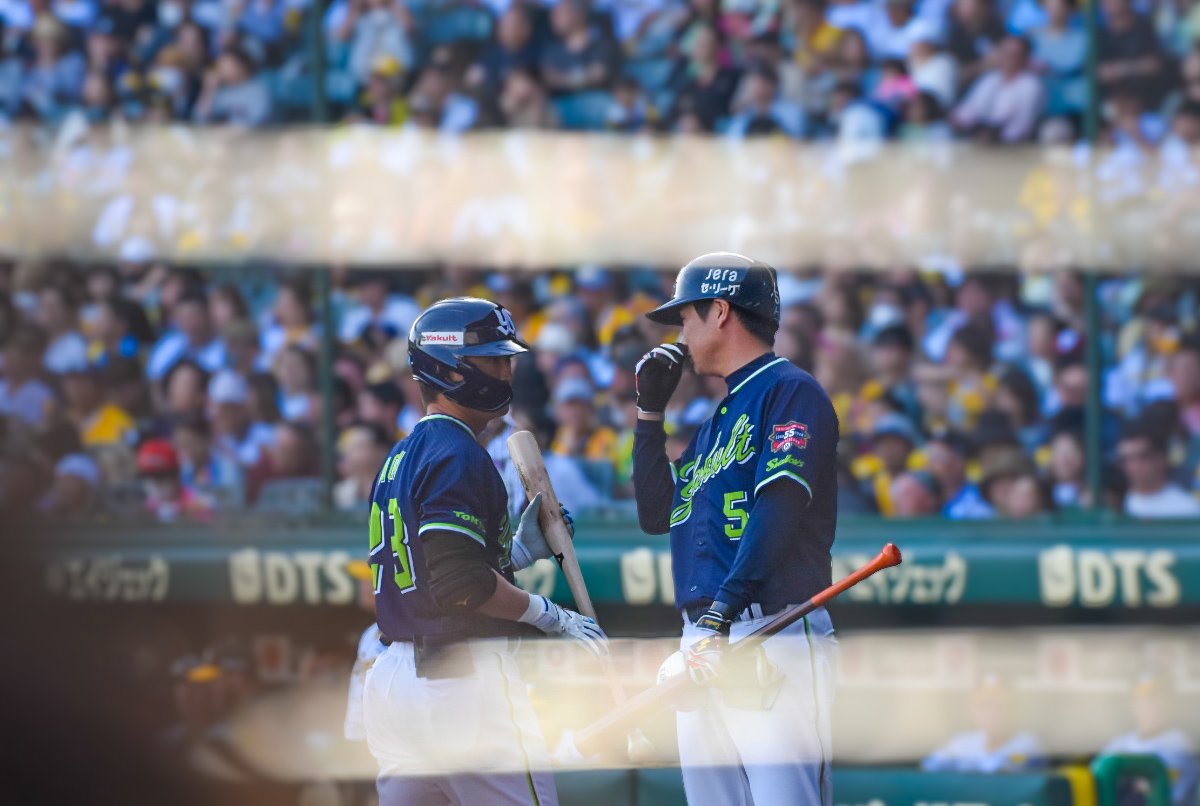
(554, 620)
(529, 542)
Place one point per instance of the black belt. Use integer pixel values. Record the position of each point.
(751, 612)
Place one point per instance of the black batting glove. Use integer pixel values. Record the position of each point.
(657, 375)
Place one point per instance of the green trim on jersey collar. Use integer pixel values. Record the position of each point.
(735, 389)
(451, 419)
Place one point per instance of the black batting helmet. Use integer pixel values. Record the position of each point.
(749, 284)
(453, 329)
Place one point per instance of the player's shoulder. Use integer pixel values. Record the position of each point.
(788, 379)
(440, 442)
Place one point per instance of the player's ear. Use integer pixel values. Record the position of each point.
(724, 311)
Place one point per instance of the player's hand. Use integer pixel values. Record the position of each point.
(657, 375)
(529, 542)
(704, 656)
(554, 620)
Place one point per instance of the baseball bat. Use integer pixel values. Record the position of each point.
(659, 695)
(527, 457)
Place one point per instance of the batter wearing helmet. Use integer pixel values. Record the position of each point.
(752, 514)
(445, 701)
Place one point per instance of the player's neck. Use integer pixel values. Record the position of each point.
(475, 420)
(738, 354)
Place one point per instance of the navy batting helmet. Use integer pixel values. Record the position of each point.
(749, 284)
(451, 330)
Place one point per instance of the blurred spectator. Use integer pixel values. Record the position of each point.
(22, 393)
(1068, 468)
(1130, 123)
(211, 478)
(73, 487)
(1184, 374)
(891, 365)
(378, 315)
(226, 306)
(1025, 497)
(1017, 397)
(1060, 56)
(974, 30)
(630, 110)
(566, 474)
(524, 103)
(766, 112)
(1001, 468)
(947, 455)
(54, 78)
(915, 494)
(1155, 712)
(58, 316)
(579, 434)
(90, 405)
(1152, 494)
(996, 745)
(933, 70)
(362, 449)
(382, 101)
(1129, 52)
(436, 102)
(892, 441)
(1141, 374)
(925, 121)
(232, 93)
(886, 24)
(381, 31)
(192, 336)
(242, 347)
(709, 85)
(381, 404)
(293, 321)
(299, 397)
(1004, 105)
(293, 455)
(578, 57)
(166, 497)
(236, 432)
(121, 329)
(514, 49)
(184, 390)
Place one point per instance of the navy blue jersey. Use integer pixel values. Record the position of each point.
(437, 479)
(776, 426)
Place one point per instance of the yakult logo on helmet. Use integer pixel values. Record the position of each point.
(445, 338)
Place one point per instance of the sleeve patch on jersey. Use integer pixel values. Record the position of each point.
(789, 435)
(470, 520)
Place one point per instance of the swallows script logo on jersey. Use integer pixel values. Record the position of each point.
(783, 437)
(696, 474)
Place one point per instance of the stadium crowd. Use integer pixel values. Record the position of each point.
(142, 388)
(994, 71)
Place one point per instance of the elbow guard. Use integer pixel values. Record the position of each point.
(460, 580)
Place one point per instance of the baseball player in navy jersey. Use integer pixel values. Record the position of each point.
(752, 514)
(446, 714)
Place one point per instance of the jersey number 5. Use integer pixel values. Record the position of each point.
(402, 558)
(734, 512)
